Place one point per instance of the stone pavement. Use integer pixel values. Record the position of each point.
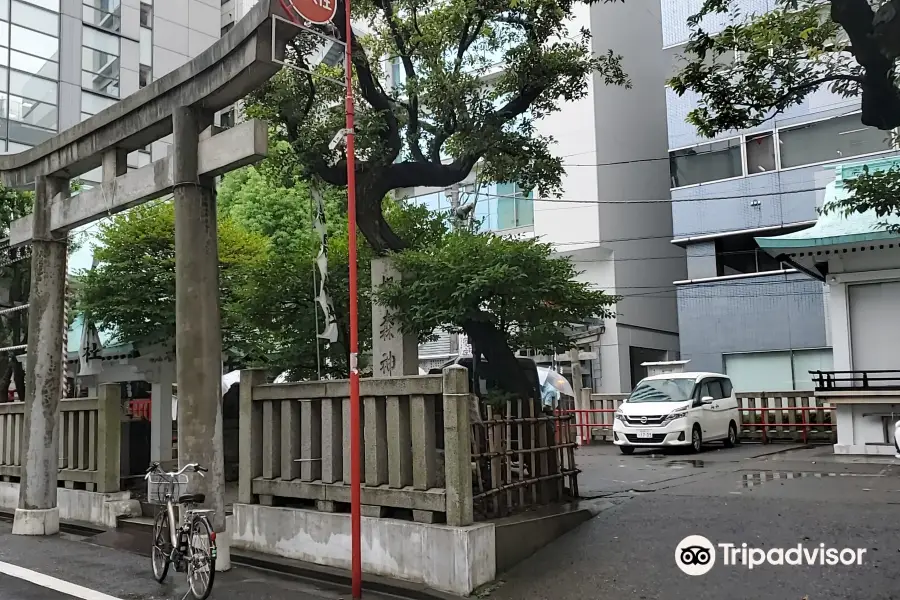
(117, 575)
(744, 495)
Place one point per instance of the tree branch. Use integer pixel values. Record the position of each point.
(412, 128)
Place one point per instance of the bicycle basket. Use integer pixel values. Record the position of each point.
(161, 485)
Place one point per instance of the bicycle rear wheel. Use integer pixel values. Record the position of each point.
(162, 546)
(201, 558)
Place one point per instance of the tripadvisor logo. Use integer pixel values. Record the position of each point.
(696, 555)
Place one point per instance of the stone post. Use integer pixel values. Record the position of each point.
(581, 417)
(394, 353)
(457, 447)
(109, 437)
(161, 415)
(198, 338)
(37, 512)
(250, 435)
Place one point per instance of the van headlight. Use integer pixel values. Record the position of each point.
(620, 416)
(679, 414)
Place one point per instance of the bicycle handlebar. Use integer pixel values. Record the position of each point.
(196, 468)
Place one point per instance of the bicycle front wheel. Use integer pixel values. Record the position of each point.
(162, 546)
(201, 558)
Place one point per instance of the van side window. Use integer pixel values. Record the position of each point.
(703, 390)
(726, 388)
(715, 389)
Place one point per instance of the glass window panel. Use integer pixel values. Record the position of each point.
(4, 57)
(35, 43)
(33, 112)
(760, 153)
(833, 139)
(706, 162)
(36, 88)
(34, 64)
(4, 79)
(146, 46)
(91, 104)
(98, 40)
(35, 18)
(110, 21)
(4, 10)
(146, 15)
(103, 84)
(4, 34)
(760, 371)
(48, 4)
(4, 107)
(14, 147)
(810, 360)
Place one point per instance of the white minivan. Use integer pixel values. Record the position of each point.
(678, 409)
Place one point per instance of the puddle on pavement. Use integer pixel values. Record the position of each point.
(750, 480)
(684, 464)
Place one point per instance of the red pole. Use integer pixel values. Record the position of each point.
(355, 450)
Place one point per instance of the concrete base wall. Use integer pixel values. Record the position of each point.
(861, 449)
(78, 505)
(450, 559)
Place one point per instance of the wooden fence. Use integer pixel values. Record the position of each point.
(295, 445)
(89, 440)
(765, 416)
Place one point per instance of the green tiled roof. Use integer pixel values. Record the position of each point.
(835, 229)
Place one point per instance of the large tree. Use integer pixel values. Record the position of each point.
(852, 47)
(453, 110)
(131, 291)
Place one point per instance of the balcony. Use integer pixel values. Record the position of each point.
(856, 381)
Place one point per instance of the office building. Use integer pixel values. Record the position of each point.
(741, 311)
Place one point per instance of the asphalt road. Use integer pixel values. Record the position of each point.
(126, 576)
(805, 496)
(12, 588)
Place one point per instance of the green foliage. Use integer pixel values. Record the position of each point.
(454, 108)
(132, 290)
(760, 65)
(514, 284)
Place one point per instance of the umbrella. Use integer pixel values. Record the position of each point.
(550, 377)
(229, 379)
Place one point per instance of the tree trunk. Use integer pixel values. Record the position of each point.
(503, 363)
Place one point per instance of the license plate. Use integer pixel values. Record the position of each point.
(645, 434)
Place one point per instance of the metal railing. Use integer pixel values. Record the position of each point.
(837, 381)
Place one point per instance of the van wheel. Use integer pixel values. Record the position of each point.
(732, 439)
(628, 450)
(696, 439)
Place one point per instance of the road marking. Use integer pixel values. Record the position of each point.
(52, 583)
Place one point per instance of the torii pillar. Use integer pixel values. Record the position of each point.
(198, 333)
(37, 512)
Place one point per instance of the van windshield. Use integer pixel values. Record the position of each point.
(663, 390)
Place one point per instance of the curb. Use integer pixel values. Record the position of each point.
(303, 570)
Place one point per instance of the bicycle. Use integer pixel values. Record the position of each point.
(191, 547)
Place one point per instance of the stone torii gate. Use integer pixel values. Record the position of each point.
(181, 103)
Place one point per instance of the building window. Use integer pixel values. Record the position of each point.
(91, 104)
(34, 18)
(29, 92)
(515, 208)
(227, 28)
(760, 153)
(226, 119)
(146, 15)
(705, 163)
(146, 50)
(740, 255)
(100, 62)
(47, 4)
(105, 14)
(145, 76)
(833, 139)
(778, 370)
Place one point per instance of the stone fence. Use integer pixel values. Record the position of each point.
(416, 444)
(89, 440)
(765, 416)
